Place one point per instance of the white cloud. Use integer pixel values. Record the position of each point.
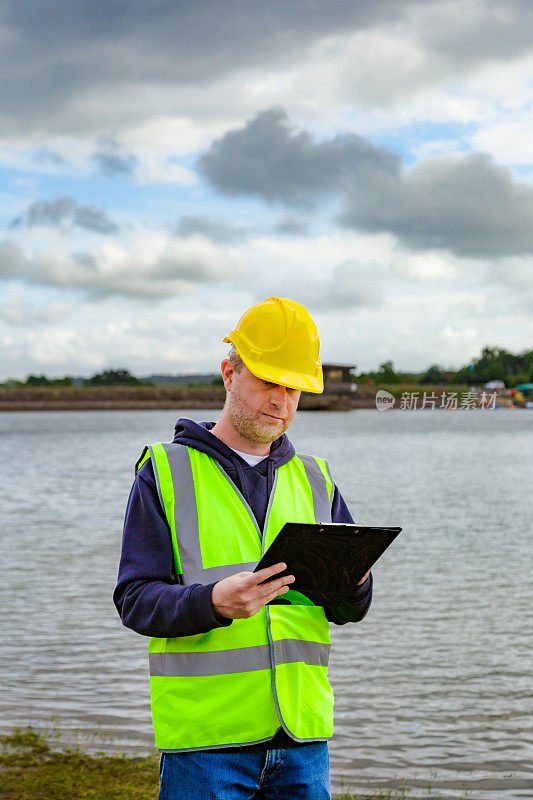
(171, 337)
(21, 313)
(457, 342)
(155, 170)
(319, 254)
(429, 266)
(167, 135)
(509, 140)
(438, 147)
(153, 267)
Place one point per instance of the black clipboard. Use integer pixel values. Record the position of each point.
(327, 559)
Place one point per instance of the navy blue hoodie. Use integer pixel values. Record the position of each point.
(147, 596)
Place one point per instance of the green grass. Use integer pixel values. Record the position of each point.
(30, 769)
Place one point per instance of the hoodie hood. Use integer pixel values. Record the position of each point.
(254, 482)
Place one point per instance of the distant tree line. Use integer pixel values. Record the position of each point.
(497, 363)
(42, 380)
(115, 377)
(494, 363)
(109, 377)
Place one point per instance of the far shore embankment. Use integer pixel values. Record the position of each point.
(146, 398)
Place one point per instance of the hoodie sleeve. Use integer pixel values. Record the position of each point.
(354, 609)
(146, 596)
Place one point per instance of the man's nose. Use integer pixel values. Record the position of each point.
(278, 395)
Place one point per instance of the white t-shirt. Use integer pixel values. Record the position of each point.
(250, 459)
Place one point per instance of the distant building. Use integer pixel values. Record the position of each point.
(338, 378)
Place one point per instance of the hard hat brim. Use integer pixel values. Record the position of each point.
(283, 377)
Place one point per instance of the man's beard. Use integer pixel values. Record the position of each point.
(249, 423)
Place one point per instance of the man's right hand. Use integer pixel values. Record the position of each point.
(241, 596)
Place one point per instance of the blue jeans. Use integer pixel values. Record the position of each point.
(295, 773)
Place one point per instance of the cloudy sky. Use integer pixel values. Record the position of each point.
(165, 165)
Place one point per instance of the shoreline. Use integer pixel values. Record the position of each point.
(137, 406)
(153, 398)
(35, 767)
(168, 398)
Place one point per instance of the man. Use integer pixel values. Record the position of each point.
(241, 704)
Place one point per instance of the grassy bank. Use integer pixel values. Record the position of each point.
(88, 398)
(99, 398)
(31, 769)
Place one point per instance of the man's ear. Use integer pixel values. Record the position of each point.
(228, 373)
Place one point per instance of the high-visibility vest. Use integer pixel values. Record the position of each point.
(238, 684)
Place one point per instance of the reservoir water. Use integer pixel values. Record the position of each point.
(433, 687)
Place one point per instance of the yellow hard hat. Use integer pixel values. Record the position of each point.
(278, 341)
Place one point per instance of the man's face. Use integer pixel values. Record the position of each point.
(259, 411)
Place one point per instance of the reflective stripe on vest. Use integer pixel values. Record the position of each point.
(319, 488)
(224, 662)
(238, 684)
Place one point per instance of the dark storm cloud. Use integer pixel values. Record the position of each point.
(268, 158)
(66, 212)
(77, 66)
(467, 204)
(218, 230)
(54, 53)
(500, 30)
(112, 160)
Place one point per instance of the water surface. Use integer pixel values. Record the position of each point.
(434, 685)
